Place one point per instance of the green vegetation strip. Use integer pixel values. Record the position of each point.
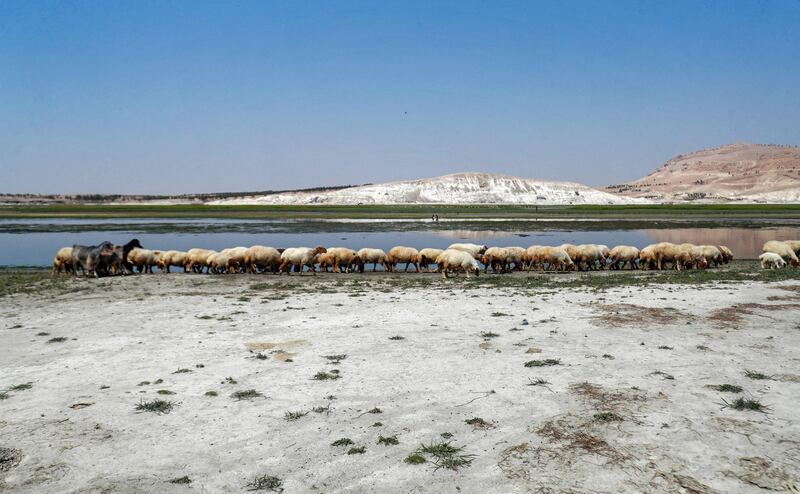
(411, 211)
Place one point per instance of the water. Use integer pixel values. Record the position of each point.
(35, 242)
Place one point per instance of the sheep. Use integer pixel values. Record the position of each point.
(712, 254)
(197, 259)
(647, 257)
(63, 260)
(259, 258)
(457, 260)
(771, 260)
(664, 252)
(782, 249)
(325, 261)
(794, 245)
(690, 255)
(374, 256)
(621, 255)
(237, 256)
(727, 254)
(556, 259)
(171, 258)
(476, 251)
(407, 255)
(532, 256)
(223, 262)
(143, 259)
(571, 250)
(516, 255)
(604, 251)
(300, 257)
(496, 257)
(427, 257)
(588, 254)
(344, 258)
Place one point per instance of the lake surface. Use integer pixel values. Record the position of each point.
(29, 242)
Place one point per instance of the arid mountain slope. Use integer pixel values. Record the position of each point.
(737, 172)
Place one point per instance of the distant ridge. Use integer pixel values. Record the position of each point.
(458, 188)
(736, 172)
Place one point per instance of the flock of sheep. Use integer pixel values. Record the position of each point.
(107, 259)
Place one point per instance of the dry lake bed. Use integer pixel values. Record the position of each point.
(623, 382)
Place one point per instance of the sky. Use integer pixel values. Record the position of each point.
(169, 97)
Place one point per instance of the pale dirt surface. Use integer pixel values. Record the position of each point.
(674, 435)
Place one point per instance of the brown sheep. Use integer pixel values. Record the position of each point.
(407, 255)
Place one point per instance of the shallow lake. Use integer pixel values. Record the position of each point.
(34, 242)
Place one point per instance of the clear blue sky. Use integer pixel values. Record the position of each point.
(191, 96)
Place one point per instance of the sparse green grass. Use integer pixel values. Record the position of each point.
(489, 334)
(20, 387)
(542, 363)
(335, 359)
(445, 455)
(702, 348)
(265, 483)
(181, 480)
(3, 395)
(246, 394)
(165, 392)
(499, 314)
(58, 339)
(291, 416)
(229, 380)
(727, 388)
(743, 404)
(377, 424)
(43, 333)
(358, 450)
(182, 371)
(607, 417)
(144, 383)
(415, 459)
(260, 356)
(663, 374)
(345, 441)
(375, 410)
(446, 435)
(326, 376)
(665, 347)
(755, 374)
(397, 338)
(155, 406)
(608, 356)
(388, 441)
(211, 392)
(326, 409)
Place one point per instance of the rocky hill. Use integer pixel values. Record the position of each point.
(737, 172)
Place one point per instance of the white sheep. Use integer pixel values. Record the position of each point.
(144, 259)
(426, 257)
(63, 260)
(171, 258)
(259, 258)
(399, 255)
(457, 260)
(475, 250)
(621, 255)
(782, 249)
(771, 260)
(300, 257)
(197, 259)
(372, 256)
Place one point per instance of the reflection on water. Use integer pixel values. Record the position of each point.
(34, 243)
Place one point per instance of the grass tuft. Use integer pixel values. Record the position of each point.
(358, 450)
(415, 459)
(294, 415)
(755, 375)
(211, 392)
(181, 480)
(345, 441)
(388, 441)
(57, 339)
(727, 388)
(246, 394)
(182, 371)
(542, 363)
(165, 392)
(265, 483)
(745, 404)
(607, 417)
(325, 376)
(397, 338)
(155, 406)
(20, 387)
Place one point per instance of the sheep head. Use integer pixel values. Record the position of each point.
(320, 250)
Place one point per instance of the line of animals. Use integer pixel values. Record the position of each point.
(107, 259)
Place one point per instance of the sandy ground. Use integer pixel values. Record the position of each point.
(628, 408)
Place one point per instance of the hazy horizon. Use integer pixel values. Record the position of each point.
(191, 97)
